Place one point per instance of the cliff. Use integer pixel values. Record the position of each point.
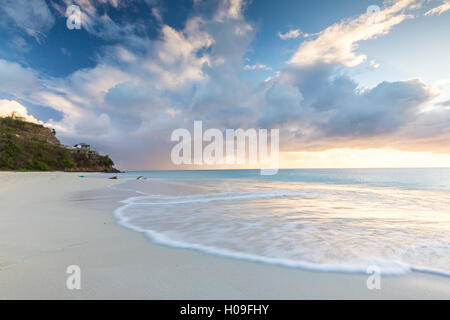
(30, 146)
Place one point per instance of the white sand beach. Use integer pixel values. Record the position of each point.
(49, 221)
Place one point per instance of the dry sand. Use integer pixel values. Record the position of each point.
(49, 221)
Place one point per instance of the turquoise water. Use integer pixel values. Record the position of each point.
(341, 220)
(416, 178)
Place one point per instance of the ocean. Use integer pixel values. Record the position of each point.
(334, 220)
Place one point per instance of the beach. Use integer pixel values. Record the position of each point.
(49, 221)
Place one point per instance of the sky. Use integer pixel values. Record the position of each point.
(348, 83)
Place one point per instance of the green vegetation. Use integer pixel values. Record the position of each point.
(29, 146)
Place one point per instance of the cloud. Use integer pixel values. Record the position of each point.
(8, 107)
(229, 9)
(381, 110)
(283, 103)
(292, 34)
(257, 66)
(15, 79)
(445, 6)
(442, 82)
(98, 126)
(129, 103)
(337, 43)
(374, 64)
(95, 19)
(177, 57)
(142, 94)
(444, 103)
(32, 17)
(157, 14)
(325, 108)
(318, 107)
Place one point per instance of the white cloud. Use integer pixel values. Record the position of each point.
(7, 107)
(270, 78)
(292, 34)
(445, 6)
(157, 14)
(337, 43)
(230, 9)
(442, 82)
(136, 97)
(124, 54)
(95, 20)
(15, 79)
(33, 17)
(137, 93)
(374, 64)
(97, 126)
(257, 66)
(175, 58)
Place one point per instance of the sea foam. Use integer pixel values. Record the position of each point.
(311, 226)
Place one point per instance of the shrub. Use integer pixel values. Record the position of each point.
(106, 161)
(34, 164)
(10, 148)
(7, 162)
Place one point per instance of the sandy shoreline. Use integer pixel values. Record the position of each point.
(49, 221)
